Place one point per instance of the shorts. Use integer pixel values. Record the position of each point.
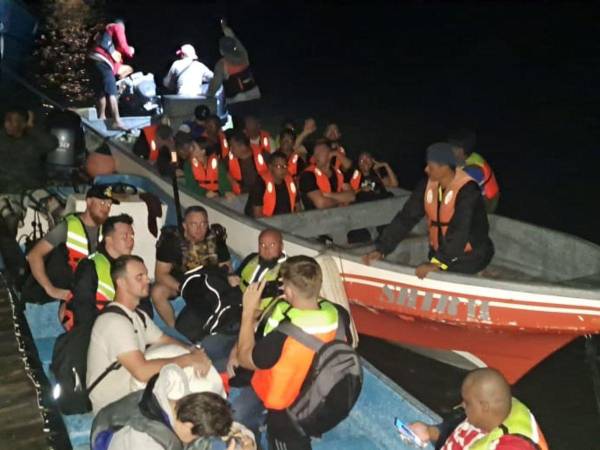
(103, 79)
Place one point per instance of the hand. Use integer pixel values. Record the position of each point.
(233, 280)
(424, 269)
(310, 126)
(57, 293)
(421, 430)
(230, 196)
(232, 362)
(30, 119)
(378, 164)
(132, 50)
(211, 194)
(252, 297)
(199, 361)
(375, 255)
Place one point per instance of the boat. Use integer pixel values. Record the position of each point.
(540, 292)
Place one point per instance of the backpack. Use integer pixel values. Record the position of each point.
(69, 365)
(332, 385)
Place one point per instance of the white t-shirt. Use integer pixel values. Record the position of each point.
(188, 81)
(113, 335)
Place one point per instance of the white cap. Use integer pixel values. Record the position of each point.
(188, 51)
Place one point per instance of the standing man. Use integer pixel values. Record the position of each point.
(123, 337)
(458, 226)
(54, 258)
(187, 75)
(109, 47)
(176, 254)
(274, 192)
(93, 287)
(495, 419)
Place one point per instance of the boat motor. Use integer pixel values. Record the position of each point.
(138, 95)
(66, 127)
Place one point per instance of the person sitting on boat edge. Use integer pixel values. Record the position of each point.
(187, 75)
(458, 225)
(116, 338)
(54, 258)
(494, 419)
(274, 192)
(169, 414)
(281, 363)
(106, 55)
(476, 166)
(321, 185)
(245, 163)
(369, 182)
(93, 288)
(205, 174)
(176, 254)
(260, 140)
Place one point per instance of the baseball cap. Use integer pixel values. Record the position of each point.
(101, 191)
(187, 50)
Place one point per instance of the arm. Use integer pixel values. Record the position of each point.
(390, 180)
(345, 162)
(321, 201)
(168, 79)
(218, 77)
(344, 197)
(227, 31)
(35, 258)
(246, 341)
(457, 236)
(162, 275)
(310, 126)
(255, 198)
(121, 41)
(403, 222)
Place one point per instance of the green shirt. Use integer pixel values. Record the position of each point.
(192, 184)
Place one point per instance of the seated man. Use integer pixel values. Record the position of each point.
(123, 339)
(322, 186)
(245, 163)
(274, 192)
(188, 76)
(333, 135)
(92, 286)
(197, 125)
(296, 158)
(153, 138)
(20, 137)
(458, 226)
(495, 419)
(216, 138)
(205, 174)
(182, 144)
(369, 182)
(476, 167)
(176, 254)
(54, 258)
(168, 411)
(279, 375)
(260, 140)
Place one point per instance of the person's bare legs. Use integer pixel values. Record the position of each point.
(114, 107)
(101, 107)
(161, 296)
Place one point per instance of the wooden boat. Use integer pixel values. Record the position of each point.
(541, 291)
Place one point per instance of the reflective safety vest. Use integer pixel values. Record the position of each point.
(253, 272)
(77, 243)
(293, 164)
(489, 185)
(520, 422)
(207, 177)
(262, 142)
(355, 180)
(440, 211)
(235, 171)
(150, 135)
(323, 181)
(270, 195)
(279, 386)
(105, 292)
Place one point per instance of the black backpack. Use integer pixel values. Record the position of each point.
(333, 383)
(69, 365)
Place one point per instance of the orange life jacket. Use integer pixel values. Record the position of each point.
(270, 195)
(323, 181)
(440, 213)
(489, 185)
(224, 145)
(262, 143)
(150, 135)
(293, 164)
(337, 163)
(235, 171)
(355, 180)
(207, 177)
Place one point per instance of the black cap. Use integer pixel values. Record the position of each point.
(201, 112)
(441, 153)
(101, 191)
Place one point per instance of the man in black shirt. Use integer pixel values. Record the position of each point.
(323, 186)
(176, 254)
(273, 193)
(458, 225)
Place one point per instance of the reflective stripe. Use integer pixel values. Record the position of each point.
(76, 237)
(77, 248)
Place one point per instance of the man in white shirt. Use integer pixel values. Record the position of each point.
(122, 338)
(187, 75)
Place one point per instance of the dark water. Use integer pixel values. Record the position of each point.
(397, 77)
